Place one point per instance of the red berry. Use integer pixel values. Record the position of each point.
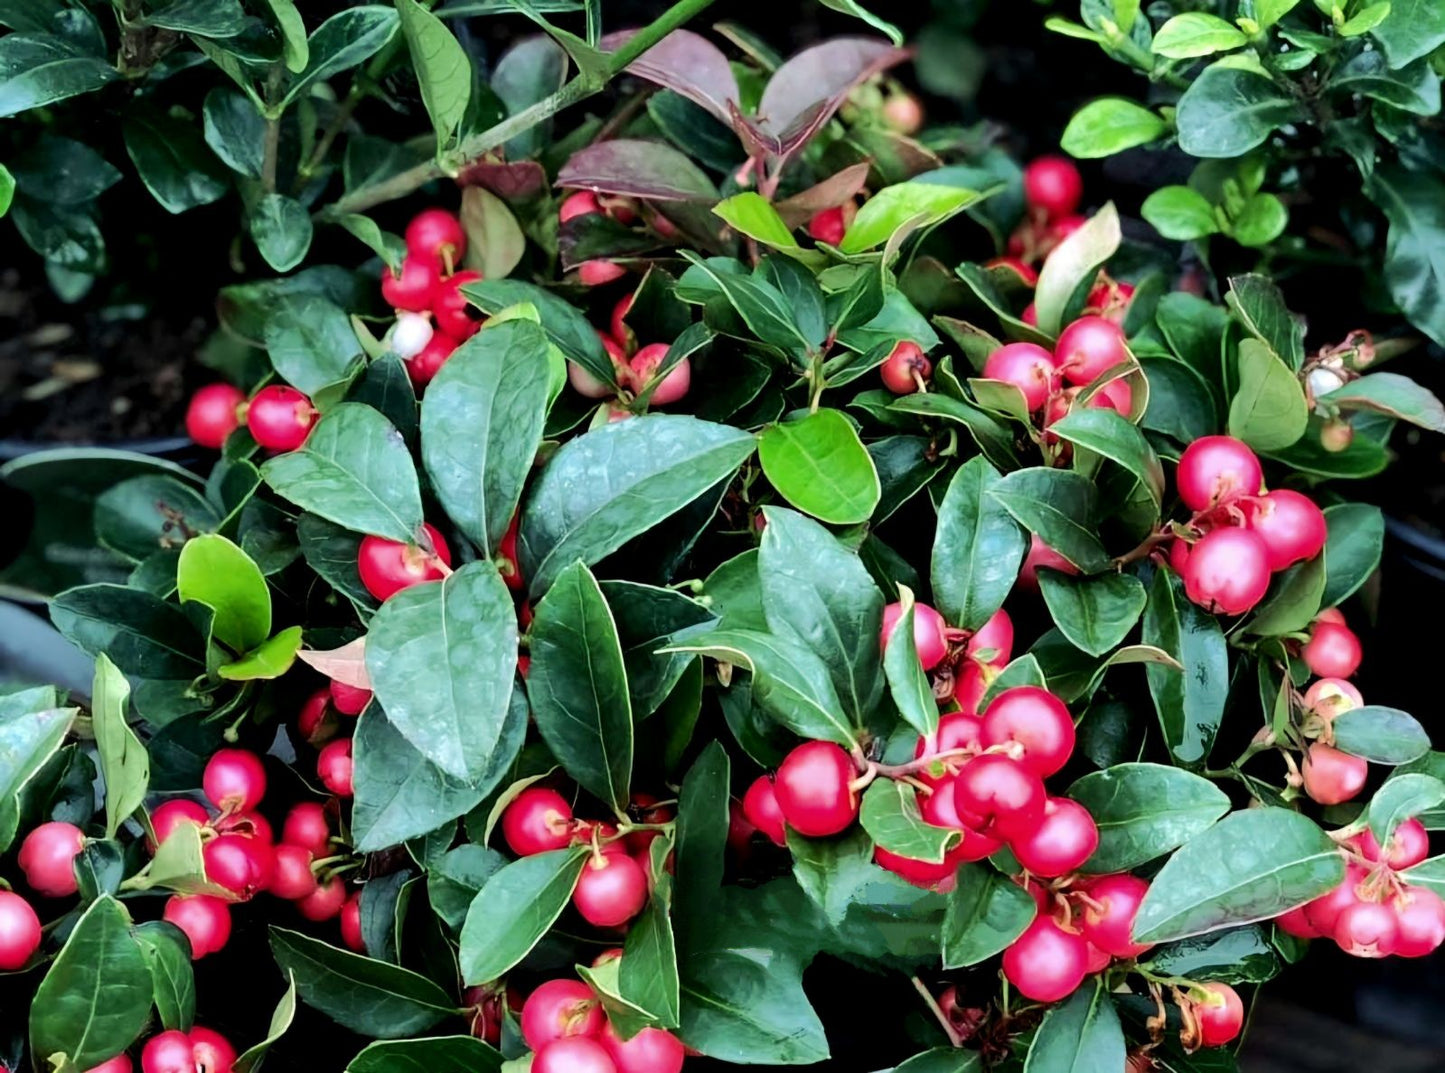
(313, 714)
(956, 730)
(1333, 650)
(1216, 469)
(611, 890)
(1116, 395)
(349, 700)
(436, 234)
(812, 788)
(653, 1050)
(292, 878)
(509, 568)
(760, 807)
(537, 820)
(212, 1051)
(1064, 839)
(214, 413)
(904, 367)
(993, 642)
(1028, 367)
(1025, 272)
(168, 1052)
(1292, 526)
(941, 809)
(926, 874)
(1034, 719)
(582, 203)
(242, 864)
(1296, 922)
(831, 225)
(1221, 1015)
(456, 316)
(575, 1054)
(47, 857)
(1367, 930)
(1046, 963)
(205, 920)
(1089, 347)
(1053, 185)
(1062, 229)
(644, 366)
(388, 566)
(280, 417)
(1227, 571)
(234, 780)
(587, 385)
(1420, 922)
(1030, 315)
(930, 636)
(1110, 925)
(428, 361)
(1324, 912)
(325, 902)
(560, 1008)
(1408, 846)
(597, 273)
(1041, 555)
(171, 814)
(1006, 797)
(350, 921)
(413, 287)
(1332, 777)
(333, 767)
(119, 1064)
(306, 826)
(19, 931)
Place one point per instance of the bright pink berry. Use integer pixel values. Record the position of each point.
(349, 920)
(1292, 526)
(574, 1054)
(242, 864)
(582, 203)
(653, 1050)
(168, 1052)
(926, 874)
(413, 288)
(212, 1051)
(760, 808)
(1408, 846)
(119, 1064)
(1216, 469)
(388, 566)
(1035, 720)
(611, 890)
(904, 367)
(560, 1008)
(1109, 922)
(1116, 395)
(537, 820)
(307, 826)
(349, 700)
(205, 920)
(1296, 922)
(644, 366)
(312, 714)
(1006, 797)
(1041, 555)
(813, 791)
(1046, 963)
(234, 780)
(1053, 185)
(1220, 1015)
(280, 417)
(436, 234)
(333, 767)
(1227, 571)
(325, 902)
(428, 361)
(1028, 367)
(214, 413)
(1088, 348)
(940, 808)
(1332, 777)
(597, 273)
(1420, 922)
(171, 814)
(930, 633)
(1324, 912)
(993, 642)
(1367, 930)
(456, 316)
(1064, 839)
(1333, 650)
(292, 878)
(956, 730)
(830, 225)
(47, 857)
(19, 931)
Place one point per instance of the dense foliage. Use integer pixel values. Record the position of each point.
(748, 532)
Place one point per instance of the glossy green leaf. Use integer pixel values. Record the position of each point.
(249, 1060)
(441, 657)
(646, 617)
(1237, 955)
(1074, 260)
(1250, 866)
(1059, 506)
(1414, 203)
(942, 1060)
(481, 425)
(1144, 811)
(442, 67)
(1392, 394)
(701, 834)
(215, 572)
(1353, 549)
(1293, 600)
(354, 469)
(167, 954)
(1096, 614)
(615, 482)
(1269, 411)
(174, 162)
(280, 227)
(907, 204)
(1413, 28)
(1414, 88)
(124, 764)
(31, 730)
(1180, 213)
(1196, 33)
(311, 342)
(1083, 1033)
(41, 68)
(647, 973)
(819, 465)
(1381, 735)
(270, 659)
(1227, 111)
(235, 131)
(889, 813)
(293, 34)
(142, 634)
(986, 913)
(515, 909)
(1190, 702)
(96, 995)
(1110, 125)
(1401, 798)
(371, 997)
(1257, 302)
(751, 214)
(434, 1054)
(341, 42)
(977, 548)
(908, 682)
(1428, 873)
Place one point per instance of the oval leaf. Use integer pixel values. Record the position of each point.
(1145, 810)
(819, 465)
(515, 908)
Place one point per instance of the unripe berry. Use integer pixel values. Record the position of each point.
(1216, 469)
(1408, 846)
(428, 361)
(1332, 777)
(205, 920)
(1336, 435)
(306, 826)
(904, 367)
(597, 273)
(1367, 930)
(929, 633)
(1028, 367)
(333, 767)
(537, 820)
(1037, 721)
(47, 857)
(1227, 571)
(388, 566)
(411, 288)
(1053, 185)
(1041, 555)
(611, 890)
(214, 413)
(349, 920)
(437, 235)
(582, 203)
(1046, 963)
(1109, 923)
(456, 316)
(1292, 526)
(1005, 797)
(653, 1050)
(234, 780)
(644, 366)
(413, 331)
(171, 814)
(558, 1009)
(19, 931)
(325, 902)
(1220, 1015)
(1420, 922)
(1063, 840)
(760, 807)
(1333, 650)
(813, 791)
(575, 1054)
(903, 113)
(280, 417)
(1089, 347)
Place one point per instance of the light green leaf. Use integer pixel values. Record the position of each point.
(215, 572)
(124, 763)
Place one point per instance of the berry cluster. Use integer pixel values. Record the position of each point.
(1085, 368)
(278, 417)
(201, 1050)
(616, 879)
(565, 1026)
(1239, 534)
(1053, 190)
(637, 371)
(624, 210)
(433, 317)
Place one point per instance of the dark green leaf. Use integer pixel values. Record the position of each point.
(646, 617)
(1190, 702)
(647, 974)
(1392, 394)
(1109, 435)
(1238, 955)
(311, 342)
(564, 324)
(986, 913)
(62, 171)
(174, 162)
(341, 42)
(1412, 29)
(890, 815)
(1096, 614)
(1401, 798)
(1083, 1033)
(1414, 203)
(514, 910)
(1414, 88)
(977, 548)
(701, 833)
(144, 635)
(142, 515)
(435, 1054)
(1059, 506)
(41, 68)
(168, 956)
(1145, 810)
(1381, 735)
(1258, 304)
(908, 682)
(250, 1059)
(442, 68)
(281, 228)
(942, 1060)
(1352, 552)
(1227, 111)
(1293, 600)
